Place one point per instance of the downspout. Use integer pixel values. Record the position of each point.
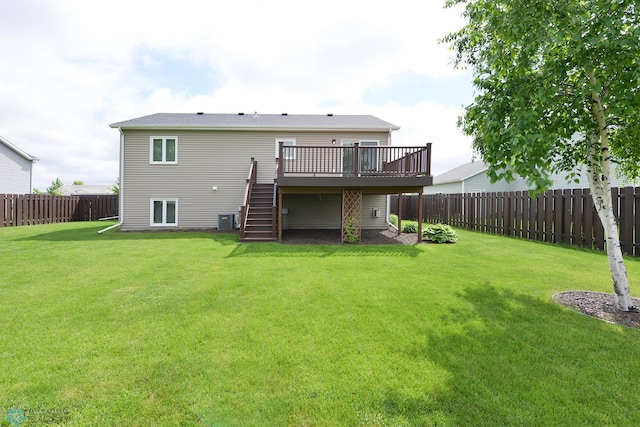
(120, 196)
(33, 162)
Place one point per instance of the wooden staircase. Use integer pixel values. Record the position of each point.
(260, 225)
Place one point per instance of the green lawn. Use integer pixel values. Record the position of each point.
(195, 329)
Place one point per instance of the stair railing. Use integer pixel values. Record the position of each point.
(244, 210)
(274, 207)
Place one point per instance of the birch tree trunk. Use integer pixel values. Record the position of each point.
(601, 194)
(599, 173)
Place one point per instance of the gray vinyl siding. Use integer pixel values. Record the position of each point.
(316, 139)
(316, 211)
(206, 159)
(15, 172)
(323, 211)
(446, 188)
(481, 183)
(369, 203)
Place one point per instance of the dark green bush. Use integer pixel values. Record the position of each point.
(440, 233)
(410, 227)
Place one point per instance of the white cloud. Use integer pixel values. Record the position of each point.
(71, 68)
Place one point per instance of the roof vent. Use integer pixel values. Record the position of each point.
(330, 114)
(285, 114)
(200, 113)
(241, 114)
(255, 115)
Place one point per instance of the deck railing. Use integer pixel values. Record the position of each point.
(355, 160)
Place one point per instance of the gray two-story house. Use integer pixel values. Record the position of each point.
(263, 173)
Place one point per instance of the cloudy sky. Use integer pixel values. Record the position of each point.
(71, 67)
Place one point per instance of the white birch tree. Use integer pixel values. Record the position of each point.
(557, 88)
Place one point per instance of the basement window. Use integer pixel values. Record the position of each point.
(164, 212)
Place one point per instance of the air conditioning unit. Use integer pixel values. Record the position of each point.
(225, 221)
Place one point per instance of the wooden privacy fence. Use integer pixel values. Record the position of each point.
(31, 209)
(556, 216)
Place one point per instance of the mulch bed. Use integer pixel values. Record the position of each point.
(599, 305)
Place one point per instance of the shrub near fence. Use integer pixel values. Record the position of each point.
(32, 209)
(556, 216)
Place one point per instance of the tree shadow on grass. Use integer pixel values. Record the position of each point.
(512, 359)
(313, 250)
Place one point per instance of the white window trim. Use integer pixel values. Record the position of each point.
(293, 144)
(164, 150)
(351, 143)
(164, 213)
(376, 141)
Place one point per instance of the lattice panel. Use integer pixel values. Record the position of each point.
(351, 216)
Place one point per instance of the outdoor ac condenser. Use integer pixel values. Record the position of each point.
(225, 221)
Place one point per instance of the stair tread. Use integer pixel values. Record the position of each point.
(260, 223)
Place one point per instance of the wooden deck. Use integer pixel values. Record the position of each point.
(340, 166)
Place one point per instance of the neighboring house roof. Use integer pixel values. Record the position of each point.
(256, 121)
(460, 173)
(78, 190)
(17, 150)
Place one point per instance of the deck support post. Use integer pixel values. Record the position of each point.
(420, 215)
(399, 214)
(279, 217)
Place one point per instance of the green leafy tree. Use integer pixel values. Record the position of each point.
(115, 188)
(557, 89)
(78, 182)
(55, 188)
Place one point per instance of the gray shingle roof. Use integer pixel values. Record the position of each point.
(255, 121)
(460, 173)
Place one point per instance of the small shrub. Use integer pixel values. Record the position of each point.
(393, 219)
(351, 230)
(440, 233)
(410, 227)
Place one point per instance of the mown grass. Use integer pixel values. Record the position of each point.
(196, 329)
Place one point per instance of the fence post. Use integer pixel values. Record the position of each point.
(636, 221)
(625, 220)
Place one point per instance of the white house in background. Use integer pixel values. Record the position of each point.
(472, 178)
(16, 169)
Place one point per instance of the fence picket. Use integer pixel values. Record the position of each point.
(30, 209)
(626, 220)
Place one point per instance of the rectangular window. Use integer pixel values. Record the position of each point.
(288, 150)
(163, 150)
(366, 153)
(164, 212)
(368, 156)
